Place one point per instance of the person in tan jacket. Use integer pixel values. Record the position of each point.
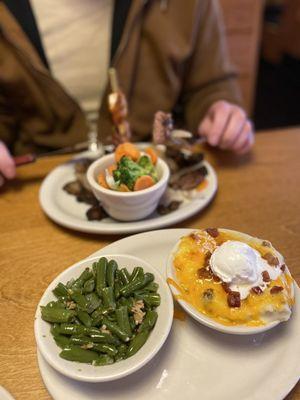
(170, 55)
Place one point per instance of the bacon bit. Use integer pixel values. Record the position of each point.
(266, 276)
(265, 243)
(276, 289)
(271, 259)
(234, 299)
(216, 278)
(204, 273)
(212, 232)
(283, 267)
(256, 290)
(207, 258)
(226, 287)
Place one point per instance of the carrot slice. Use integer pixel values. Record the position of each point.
(143, 182)
(152, 155)
(124, 188)
(102, 181)
(112, 168)
(127, 149)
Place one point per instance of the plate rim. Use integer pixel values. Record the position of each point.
(57, 215)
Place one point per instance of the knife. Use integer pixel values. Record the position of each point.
(32, 157)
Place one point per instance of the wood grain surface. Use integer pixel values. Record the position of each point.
(258, 194)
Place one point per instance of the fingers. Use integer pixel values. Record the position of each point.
(7, 165)
(226, 126)
(234, 128)
(215, 123)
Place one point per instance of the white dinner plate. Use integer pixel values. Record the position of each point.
(64, 209)
(195, 362)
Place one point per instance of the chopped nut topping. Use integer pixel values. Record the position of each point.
(276, 289)
(204, 273)
(266, 276)
(234, 299)
(212, 232)
(71, 305)
(138, 314)
(104, 329)
(271, 259)
(265, 243)
(256, 290)
(87, 346)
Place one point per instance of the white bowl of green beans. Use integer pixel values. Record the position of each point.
(103, 318)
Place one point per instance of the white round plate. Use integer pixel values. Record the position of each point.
(63, 208)
(195, 362)
(89, 373)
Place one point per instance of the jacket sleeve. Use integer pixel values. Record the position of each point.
(210, 76)
(8, 124)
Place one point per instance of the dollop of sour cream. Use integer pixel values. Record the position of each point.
(241, 266)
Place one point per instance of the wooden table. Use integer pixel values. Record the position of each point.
(258, 194)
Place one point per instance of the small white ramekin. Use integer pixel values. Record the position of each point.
(127, 206)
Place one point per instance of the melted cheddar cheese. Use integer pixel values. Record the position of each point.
(190, 257)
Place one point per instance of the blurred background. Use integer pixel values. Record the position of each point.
(264, 42)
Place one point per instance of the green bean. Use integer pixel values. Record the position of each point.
(137, 272)
(137, 284)
(85, 275)
(60, 290)
(103, 359)
(103, 337)
(80, 300)
(56, 304)
(75, 353)
(93, 302)
(151, 299)
(89, 286)
(132, 323)
(112, 266)
(114, 328)
(55, 329)
(117, 289)
(108, 298)
(101, 275)
(122, 350)
(124, 276)
(151, 287)
(149, 321)
(80, 340)
(109, 349)
(62, 341)
(123, 320)
(56, 314)
(72, 329)
(84, 318)
(137, 342)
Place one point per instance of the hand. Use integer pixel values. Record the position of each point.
(227, 126)
(7, 165)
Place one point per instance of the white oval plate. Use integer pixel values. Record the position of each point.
(195, 362)
(63, 208)
(89, 373)
(202, 318)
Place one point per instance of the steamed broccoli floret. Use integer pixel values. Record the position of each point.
(146, 163)
(129, 171)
